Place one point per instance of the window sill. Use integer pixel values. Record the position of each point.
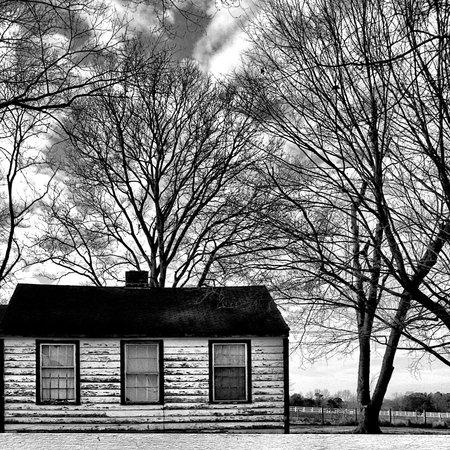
(229, 402)
(142, 403)
(59, 402)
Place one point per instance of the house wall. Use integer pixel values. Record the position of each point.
(186, 391)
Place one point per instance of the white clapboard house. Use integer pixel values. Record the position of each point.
(136, 358)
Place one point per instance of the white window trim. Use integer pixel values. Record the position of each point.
(213, 366)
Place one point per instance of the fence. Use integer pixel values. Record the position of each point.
(305, 415)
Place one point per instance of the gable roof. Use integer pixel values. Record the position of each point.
(2, 311)
(37, 310)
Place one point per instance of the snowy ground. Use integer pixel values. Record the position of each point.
(330, 429)
(12, 441)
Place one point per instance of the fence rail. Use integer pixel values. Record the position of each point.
(323, 415)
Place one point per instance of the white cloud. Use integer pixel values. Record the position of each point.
(221, 47)
(142, 16)
(229, 57)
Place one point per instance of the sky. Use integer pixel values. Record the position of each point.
(210, 31)
(215, 38)
(340, 374)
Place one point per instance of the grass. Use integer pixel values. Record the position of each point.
(346, 429)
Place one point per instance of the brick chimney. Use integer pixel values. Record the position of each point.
(136, 278)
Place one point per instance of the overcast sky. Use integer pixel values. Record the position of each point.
(208, 32)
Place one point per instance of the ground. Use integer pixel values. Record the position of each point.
(220, 441)
(318, 429)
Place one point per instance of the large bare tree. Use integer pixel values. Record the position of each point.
(356, 89)
(51, 53)
(160, 174)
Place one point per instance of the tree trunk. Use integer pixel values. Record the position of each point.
(364, 367)
(368, 422)
(369, 416)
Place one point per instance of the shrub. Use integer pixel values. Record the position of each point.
(349, 423)
(401, 423)
(385, 423)
(440, 425)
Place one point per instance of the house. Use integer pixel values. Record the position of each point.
(137, 358)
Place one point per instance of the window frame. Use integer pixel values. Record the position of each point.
(160, 344)
(76, 344)
(248, 371)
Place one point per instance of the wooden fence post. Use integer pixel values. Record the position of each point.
(424, 416)
(356, 414)
(323, 417)
(390, 416)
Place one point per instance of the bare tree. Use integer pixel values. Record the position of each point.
(51, 53)
(160, 173)
(349, 87)
(20, 160)
(48, 49)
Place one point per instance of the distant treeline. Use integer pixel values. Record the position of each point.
(419, 401)
(341, 399)
(411, 401)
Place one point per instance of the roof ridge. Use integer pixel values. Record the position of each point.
(247, 286)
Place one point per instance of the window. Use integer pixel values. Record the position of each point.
(57, 374)
(142, 372)
(230, 371)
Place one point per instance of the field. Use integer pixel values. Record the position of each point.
(312, 416)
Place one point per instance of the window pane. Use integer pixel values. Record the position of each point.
(142, 358)
(142, 381)
(57, 372)
(57, 384)
(229, 355)
(229, 383)
(142, 388)
(142, 350)
(57, 355)
(142, 372)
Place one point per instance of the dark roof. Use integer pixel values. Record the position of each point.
(89, 311)
(2, 311)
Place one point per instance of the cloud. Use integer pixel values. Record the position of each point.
(208, 31)
(220, 48)
(178, 23)
(142, 16)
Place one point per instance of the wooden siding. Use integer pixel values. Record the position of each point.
(186, 391)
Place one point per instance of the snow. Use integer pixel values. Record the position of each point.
(220, 441)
